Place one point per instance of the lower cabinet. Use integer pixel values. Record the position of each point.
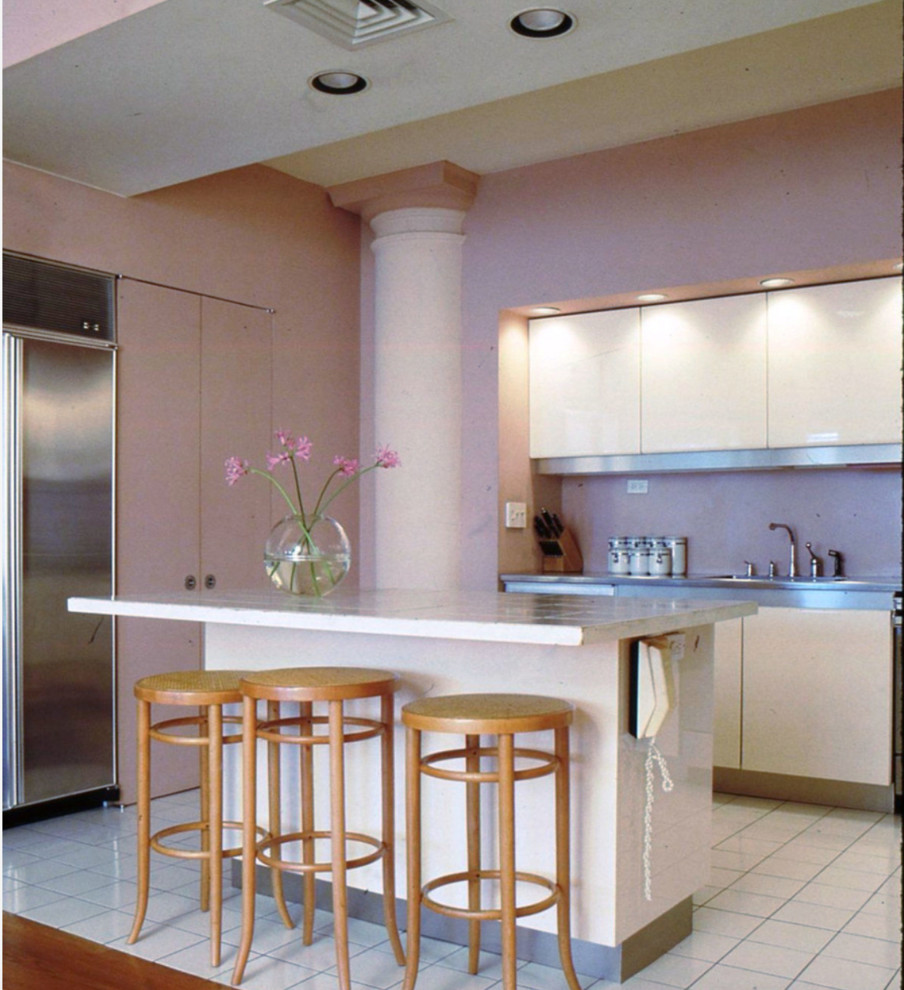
(806, 692)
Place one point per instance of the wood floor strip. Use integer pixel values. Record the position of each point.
(37, 957)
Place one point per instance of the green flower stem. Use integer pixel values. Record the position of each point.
(320, 509)
(282, 491)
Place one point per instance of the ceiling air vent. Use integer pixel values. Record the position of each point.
(353, 23)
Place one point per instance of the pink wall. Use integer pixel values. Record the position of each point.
(726, 517)
(251, 235)
(819, 187)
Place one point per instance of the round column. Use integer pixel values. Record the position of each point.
(418, 395)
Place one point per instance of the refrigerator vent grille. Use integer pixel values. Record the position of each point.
(45, 296)
(353, 23)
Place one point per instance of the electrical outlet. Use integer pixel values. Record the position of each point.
(515, 515)
(638, 486)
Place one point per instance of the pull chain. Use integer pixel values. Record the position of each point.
(653, 754)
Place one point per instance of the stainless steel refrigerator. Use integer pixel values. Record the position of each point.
(57, 491)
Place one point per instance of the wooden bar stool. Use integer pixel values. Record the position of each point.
(207, 690)
(502, 716)
(307, 686)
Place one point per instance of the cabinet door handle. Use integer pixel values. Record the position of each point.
(210, 581)
(191, 582)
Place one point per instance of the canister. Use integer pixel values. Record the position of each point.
(620, 542)
(619, 561)
(678, 547)
(661, 561)
(639, 561)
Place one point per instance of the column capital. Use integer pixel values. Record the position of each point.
(440, 184)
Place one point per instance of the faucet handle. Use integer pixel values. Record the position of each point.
(838, 570)
(772, 573)
(749, 565)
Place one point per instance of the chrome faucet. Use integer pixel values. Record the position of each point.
(792, 566)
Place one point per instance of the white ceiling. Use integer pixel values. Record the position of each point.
(186, 88)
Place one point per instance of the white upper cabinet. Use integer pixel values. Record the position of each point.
(703, 375)
(585, 384)
(835, 364)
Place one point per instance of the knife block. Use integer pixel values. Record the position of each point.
(561, 555)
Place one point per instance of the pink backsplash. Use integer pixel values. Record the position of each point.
(725, 517)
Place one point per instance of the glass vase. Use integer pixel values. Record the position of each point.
(311, 561)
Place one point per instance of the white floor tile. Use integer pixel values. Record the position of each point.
(104, 928)
(842, 974)
(157, 941)
(854, 879)
(60, 913)
(708, 946)
(776, 960)
(801, 897)
(723, 977)
(825, 894)
(676, 971)
(790, 936)
(859, 948)
(707, 919)
(887, 927)
(792, 869)
(762, 883)
(740, 902)
(817, 915)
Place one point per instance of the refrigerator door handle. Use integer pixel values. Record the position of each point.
(12, 571)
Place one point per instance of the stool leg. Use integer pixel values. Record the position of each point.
(249, 832)
(204, 765)
(563, 856)
(413, 839)
(337, 843)
(274, 791)
(507, 857)
(306, 758)
(387, 770)
(144, 812)
(472, 765)
(215, 827)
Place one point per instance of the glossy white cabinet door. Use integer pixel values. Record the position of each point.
(585, 384)
(727, 721)
(703, 375)
(818, 694)
(835, 364)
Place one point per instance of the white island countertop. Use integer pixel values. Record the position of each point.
(466, 615)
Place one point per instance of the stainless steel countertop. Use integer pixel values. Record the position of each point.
(803, 592)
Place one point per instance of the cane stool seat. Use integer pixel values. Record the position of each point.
(306, 687)
(208, 730)
(501, 716)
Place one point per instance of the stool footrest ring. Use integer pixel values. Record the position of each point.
(294, 866)
(489, 914)
(547, 764)
(156, 840)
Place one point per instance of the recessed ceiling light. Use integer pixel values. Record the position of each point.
(652, 297)
(545, 311)
(338, 82)
(542, 22)
(776, 283)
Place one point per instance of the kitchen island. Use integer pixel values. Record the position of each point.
(624, 913)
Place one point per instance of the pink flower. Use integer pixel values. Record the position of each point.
(347, 465)
(285, 439)
(303, 448)
(273, 459)
(235, 468)
(388, 458)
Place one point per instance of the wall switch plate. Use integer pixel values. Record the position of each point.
(515, 515)
(638, 486)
